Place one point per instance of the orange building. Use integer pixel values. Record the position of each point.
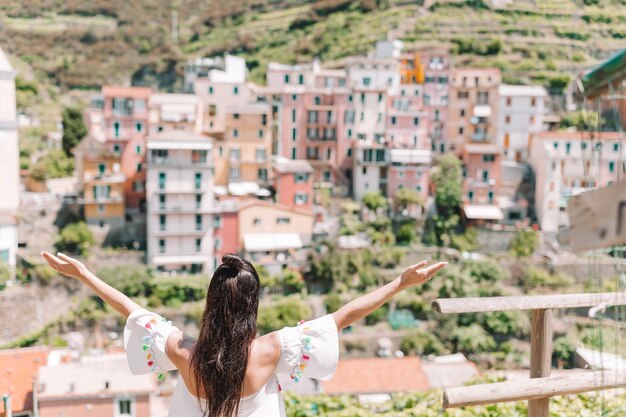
(411, 69)
(100, 182)
(243, 152)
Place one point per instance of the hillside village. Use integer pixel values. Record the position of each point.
(329, 175)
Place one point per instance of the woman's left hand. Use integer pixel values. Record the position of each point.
(65, 265)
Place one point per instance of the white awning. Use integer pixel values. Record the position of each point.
(482, 111)
(262, 242)
(243, 188)
(179, 259)
(176, 145)
(410, 156)
(483, 212)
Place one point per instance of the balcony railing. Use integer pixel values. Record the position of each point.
(178, 162)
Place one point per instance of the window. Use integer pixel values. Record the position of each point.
(162, 201)
(235, 90)
(101, 208)
(139, 167)
(198, 221)
(217, 222)
(393, 120)
(568, 147)
(616, 147)
(300, 79)
(294, 97)
(117, 129)
(349, 152)
(198, 156)
(326, 176)
(261, 155)
(293, 153)
(462, 113)
(366, 81)
(256, 221)
(312, 116)
(198, 180)
(301, 178)
(400, 174)
(349, 133)
(482, 97)
(533, 101)
(260, 133)
(162, 222)
(317, 100)
(117, 149)
(198, 200)
(507, 119)
(294, 134)
(286, 78)
(101, 169)
(380, 96)
(235, 133)
(611, 166)
(217, 243)
(461, 130)
(350, 98)
(138, 186)
(508, 101)
(507, 141)
(293, 115)
(264, 119)
(234, 173)
(463, 94)
(470, 196)
(198, 245)
(220, 151)
(416, 121)
(532, 120)
(485, 176)
(436, 115)
(283, 220)
(556, 145)
(490, 196)
(138, 127)
(236, 116)
(262, 174)
(211, 89)
(489, 158)
(161, 245)
(162, 180)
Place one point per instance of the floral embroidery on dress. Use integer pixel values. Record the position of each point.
(305, 348)
(148, 340)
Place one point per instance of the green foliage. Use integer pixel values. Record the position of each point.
(420, 342)
(588, 120)
(174, 291)
(387, 257)
(26, 86)
(5, 274)
(54, 164)
(292, 281)
(558, 83)
(267, 280)
(44, 273)
(473, 338)
(406, 234)
(563, 350)
(377, 315)
(407, 197)
(76, 238)
(288, 312)
(477, 47)
(487, 270)
(447, 180)
(333, 302)
(465, 242)
(538, 277)
(132, 280)
(524, 243)
(374, 200)
(381, 238)
(74, 128)
(350, 225)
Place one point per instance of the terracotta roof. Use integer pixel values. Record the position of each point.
(578, 135)
(128, 92)
(377, 375)
(288, 166)
(18, 370)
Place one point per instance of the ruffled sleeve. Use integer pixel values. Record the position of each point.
(145, 335)
(311, 349)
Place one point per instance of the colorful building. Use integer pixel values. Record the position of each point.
(180, 202)
(520, 115)
(473, 108)
(18, 376)
(482, 173)
(293, 182)
(101, 183)
(9, 164)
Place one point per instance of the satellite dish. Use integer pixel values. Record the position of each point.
(474, 120)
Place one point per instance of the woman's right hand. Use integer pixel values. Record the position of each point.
(419, 273)
(65, 265)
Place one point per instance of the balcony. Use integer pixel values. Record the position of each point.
(179, 162)
(479, 136)
(174, 231)
(101, 200)
(183, 209)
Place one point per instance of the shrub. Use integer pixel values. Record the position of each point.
(420, 342)
(292, 281)
(55, 164)
(74, 128)
(377, 315)
(563, 352)
(75, 238)
(539, 277)
(524, 243)
(406, 234)
(466, 242)
(374, 200)
(485, 270)
(5, 275)
(387, 257)
(286, 313)
(44, 273)
(473, 339)
(174, 291)
(333, 302)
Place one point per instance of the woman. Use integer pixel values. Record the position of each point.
(229, 371)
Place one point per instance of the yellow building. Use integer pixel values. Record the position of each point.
(100, 182)
(243, 152)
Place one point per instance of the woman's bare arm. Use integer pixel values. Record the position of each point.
(357, 309)
(75, 269)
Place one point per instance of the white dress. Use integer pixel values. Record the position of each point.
(310, 349)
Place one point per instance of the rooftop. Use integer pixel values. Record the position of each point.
(250, 108)
(377, 375)
(179, 139)
(481, 148)
(263, 242)
(522, 90)
(576, 135)
(288, 166)
(18, 370)
(126, 92)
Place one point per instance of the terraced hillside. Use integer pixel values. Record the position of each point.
(80, 44)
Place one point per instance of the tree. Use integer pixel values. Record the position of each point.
(55, 164)
(5, 274)
(524, 243)
(420, 342)
(292, 281)
(406, 234)
(473, 339)
(75, 238)
(374, 200)
(74, 128)
(405, 198)
(448, 181)
(286, 313)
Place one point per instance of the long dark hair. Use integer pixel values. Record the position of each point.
(228, 328)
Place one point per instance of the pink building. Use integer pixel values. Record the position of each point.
(410, 168)
(225, 230)
(293, 182)
(407, 121)
(437, 65)
(482, 173)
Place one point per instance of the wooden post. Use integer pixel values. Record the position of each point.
(540, 357)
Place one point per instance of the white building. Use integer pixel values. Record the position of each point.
(174, 111)
(179, 193)
(521, 111)
(9, 163)
(566, 164)
(371, 163)
(222, 87)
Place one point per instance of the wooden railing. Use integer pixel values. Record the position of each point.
(541, 386)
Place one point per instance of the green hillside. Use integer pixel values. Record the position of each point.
(81, 45)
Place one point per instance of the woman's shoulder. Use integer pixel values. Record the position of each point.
(266, 348)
